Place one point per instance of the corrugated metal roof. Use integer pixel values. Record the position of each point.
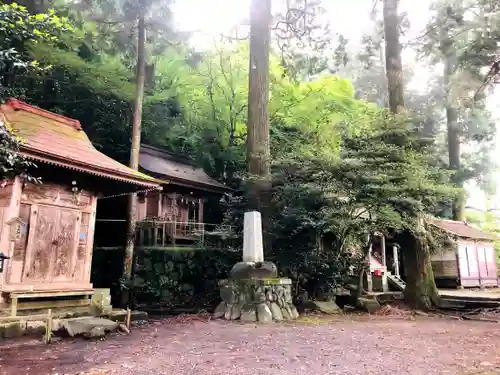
(59, 140)
(463, 229)
(169, 167)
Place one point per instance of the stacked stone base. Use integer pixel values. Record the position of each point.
(256, 300)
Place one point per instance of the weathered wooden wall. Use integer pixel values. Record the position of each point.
(444, 262)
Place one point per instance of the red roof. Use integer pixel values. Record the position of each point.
(58, 140)
(463, 229)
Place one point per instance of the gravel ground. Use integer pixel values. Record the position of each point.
(347, 345)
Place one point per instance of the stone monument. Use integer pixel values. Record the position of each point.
(254, 292)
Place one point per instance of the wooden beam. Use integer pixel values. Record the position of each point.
(53, 304)
(48, 294)
(7, 319)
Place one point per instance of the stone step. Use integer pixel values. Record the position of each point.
(90, 327)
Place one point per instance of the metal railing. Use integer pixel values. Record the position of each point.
(163, 233)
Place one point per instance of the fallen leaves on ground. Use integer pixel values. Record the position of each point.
(187, 318)
(394, 309)
(357, 344)
(95, 372)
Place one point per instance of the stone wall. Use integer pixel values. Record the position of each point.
(252, 300)
(173, 279)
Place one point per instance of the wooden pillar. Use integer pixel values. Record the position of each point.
(145, 207)
(476, 255)
(382, 248)
(396, 259)
(10, 211)
(369, 280)
(200, 210)
(90, 241)
(385, 284)
(160, 201)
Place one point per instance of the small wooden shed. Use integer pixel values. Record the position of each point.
(47, 229)
(182, 197)
(470, 261)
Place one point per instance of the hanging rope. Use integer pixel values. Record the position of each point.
(159, 188)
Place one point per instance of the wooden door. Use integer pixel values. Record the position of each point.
(51, 252)
(468, 265)
(39, 252)
(481, 259)
(65, 246)
(489, 270)
(491, 261)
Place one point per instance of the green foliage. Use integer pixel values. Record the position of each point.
(101, 76)
(110, 26)
(11, 162)
(325, 205)
(18, 27)
(210, 123)
(380, 182)
(383, 180)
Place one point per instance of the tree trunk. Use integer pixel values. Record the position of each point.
(258, 140)
(134, 156)
(394, 66)
(452, 126)
(420, 291)
(383, 101)
(365, 267)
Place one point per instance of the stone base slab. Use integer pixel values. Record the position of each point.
(256, 300)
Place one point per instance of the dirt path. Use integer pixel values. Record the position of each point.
(374, 346)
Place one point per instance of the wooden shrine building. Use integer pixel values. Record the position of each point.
(47, 229)
(469, 261)
(176, 214)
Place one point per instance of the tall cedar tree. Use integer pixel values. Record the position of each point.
(258, 141)
(134, 151)
(448, 50)
(421, 291)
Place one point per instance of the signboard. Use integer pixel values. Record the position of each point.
(17, 228)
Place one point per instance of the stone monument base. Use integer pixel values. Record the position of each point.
(256, 300)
